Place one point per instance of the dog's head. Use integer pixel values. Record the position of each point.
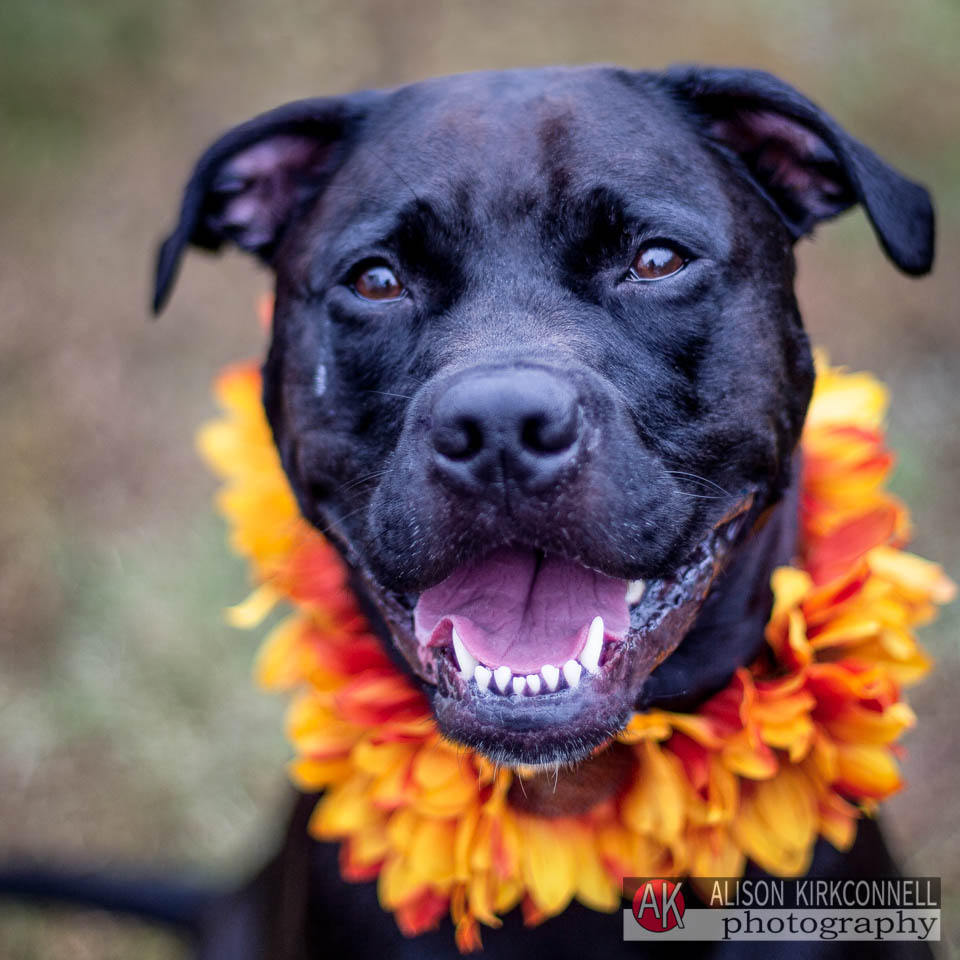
(537, 365)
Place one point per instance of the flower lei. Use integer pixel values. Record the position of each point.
(798, 745)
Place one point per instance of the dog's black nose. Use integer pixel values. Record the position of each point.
(516, 422)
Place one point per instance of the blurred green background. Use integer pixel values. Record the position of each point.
(129, 729)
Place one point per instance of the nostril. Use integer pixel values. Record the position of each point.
(542, 433)
(461, 439)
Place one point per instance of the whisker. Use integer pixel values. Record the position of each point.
(384, 393)
(358, 480)
(338, 522)
(697, 478)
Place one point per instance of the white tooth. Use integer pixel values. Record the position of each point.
(519, 685)
(502, 677)
(533, 683)
(571, 673)
(482, 675)
(590, 654)
(465, 659)
(551, 677)
(635, 590)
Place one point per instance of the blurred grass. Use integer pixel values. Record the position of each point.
(129, 729)
(147, 682)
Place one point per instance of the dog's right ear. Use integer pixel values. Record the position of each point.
(253, 182)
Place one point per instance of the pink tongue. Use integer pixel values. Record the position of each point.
(511, 610)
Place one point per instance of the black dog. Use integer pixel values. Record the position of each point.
(538, 369)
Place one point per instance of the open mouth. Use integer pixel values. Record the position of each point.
(535, 659)
(519, 623)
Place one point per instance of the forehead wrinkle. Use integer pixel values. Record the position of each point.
(415, 226)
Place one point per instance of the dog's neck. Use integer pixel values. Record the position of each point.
(728, 633)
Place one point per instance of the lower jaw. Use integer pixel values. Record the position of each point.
(549, 729)
(547, 737)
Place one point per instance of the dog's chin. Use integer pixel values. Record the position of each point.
(536, 661)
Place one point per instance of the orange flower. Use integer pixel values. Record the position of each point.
(795, 747)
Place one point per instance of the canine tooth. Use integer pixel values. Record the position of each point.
(590, 654)
(635, 590)
(533, 682)
(482, 675)
(502, 677)
(551, 676)
(465, 659)
(571, 673)
(519, 685)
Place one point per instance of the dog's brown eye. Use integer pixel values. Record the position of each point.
(379, 282)
(656, 261)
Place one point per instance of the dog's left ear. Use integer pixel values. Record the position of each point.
(253, 182)
(804, 162)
